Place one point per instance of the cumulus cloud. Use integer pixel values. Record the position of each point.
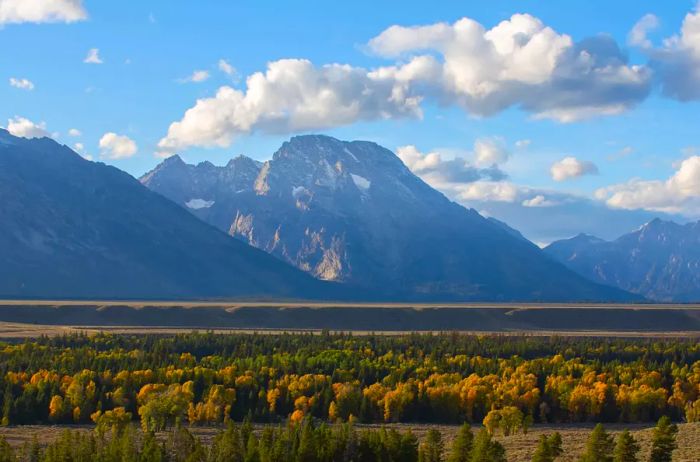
(539, 201)
(196, 77)
(498, 191)
(490, 151)
(520, 62)
(678, 194)
(677, 60)
(571, 167)
(41, 11)
(22, 84)
(292, 95)
(25, 128)
(113, 146)
(638, 34)
(444, 173)
(74, 132)
(93, 56)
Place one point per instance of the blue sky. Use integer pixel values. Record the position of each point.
(627, 152)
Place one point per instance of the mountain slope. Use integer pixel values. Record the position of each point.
(352, 212)
(73, 228)
(661, 260)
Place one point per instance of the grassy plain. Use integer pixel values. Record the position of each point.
(519, 447)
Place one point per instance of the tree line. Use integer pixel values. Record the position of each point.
(306, 442)
(505, 382)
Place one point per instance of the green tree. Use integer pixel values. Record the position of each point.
(462, 445)
(626, 448)
(432, 448)
(548, 448)
(663, 442)
(6, 452)
(487, 450)
(599, 447)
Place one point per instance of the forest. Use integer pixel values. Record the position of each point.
(508, 383)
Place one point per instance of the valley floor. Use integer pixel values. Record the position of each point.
(52, 317)
(519, 447)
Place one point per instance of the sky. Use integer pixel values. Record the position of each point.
(557, 120)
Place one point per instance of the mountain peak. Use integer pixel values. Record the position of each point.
(173, 160)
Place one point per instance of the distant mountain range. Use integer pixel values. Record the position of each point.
(661, 260)
(74, 228)
(353, 213)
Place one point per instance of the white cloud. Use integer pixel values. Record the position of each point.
(446, 171)
(677, 60)
(539, 201)
(79, 147)
(74, 132)
(522, 144)
(226, 68)
(93, 56)
(113, 146)
(196, 77)
(490, 151)
(571, 167)
(292, 95)
(622, 153)
(499, 191)
(41, 11)
(638, 34)
(678, 194)
(520, 62)
(22, 84)
(25, 128)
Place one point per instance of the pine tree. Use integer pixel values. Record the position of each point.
(599, 447)
(151, 451)
(626, 448)
(6, 452)
(307, 443)
(487, 450)
(432, 448)
(462, 445)
(548, 448)
(663, 442)
(409, 447)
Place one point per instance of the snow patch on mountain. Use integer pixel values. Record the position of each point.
(298, 190)
(197, 204)
(361, 182)
(348, 152)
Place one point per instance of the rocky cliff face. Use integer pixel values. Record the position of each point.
(352, 212)
(661, 260)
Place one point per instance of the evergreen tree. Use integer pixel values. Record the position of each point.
(462, 445)
(6, 452)
(599, 447)
(432, 448)
(151, 451)
(409, 447)
(663, 442)
(548, 448)
(626, 448)
(487, 450)
(307, 443)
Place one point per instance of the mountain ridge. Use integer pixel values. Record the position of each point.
(352, 212)
(75, 228)
(660, 260)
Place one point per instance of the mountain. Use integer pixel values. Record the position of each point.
(74, 228)
(660, 260)
(353, 212)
